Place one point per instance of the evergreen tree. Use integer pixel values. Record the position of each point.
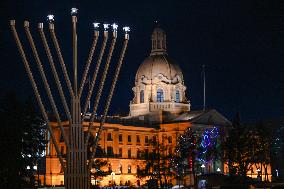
(33, 142)
(186, 149)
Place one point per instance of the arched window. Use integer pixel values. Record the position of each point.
(177, 96)
(142, 96)
(129, 169)
(160, 95)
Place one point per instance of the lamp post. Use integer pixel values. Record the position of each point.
(202, 167)
(277, 173)
(112, 177)
(77, 167)
(258, 174)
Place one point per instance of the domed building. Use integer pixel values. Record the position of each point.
(159, 85)
(159, 111)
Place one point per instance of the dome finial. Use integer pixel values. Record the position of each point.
(156, 24)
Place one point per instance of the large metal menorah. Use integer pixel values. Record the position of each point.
(77, 166)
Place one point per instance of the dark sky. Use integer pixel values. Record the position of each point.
(240, 42)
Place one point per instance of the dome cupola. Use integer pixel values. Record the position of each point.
(159, 42)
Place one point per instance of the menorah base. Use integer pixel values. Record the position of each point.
(77, 181)
(77, 172)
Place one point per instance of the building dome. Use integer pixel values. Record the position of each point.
(159, 84)
(159, 65)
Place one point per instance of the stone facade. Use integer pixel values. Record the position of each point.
(121, 145)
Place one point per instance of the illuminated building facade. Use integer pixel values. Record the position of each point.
(159, 108)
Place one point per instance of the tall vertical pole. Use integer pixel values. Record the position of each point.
(204, 87)
(74, 23)
(78, 170)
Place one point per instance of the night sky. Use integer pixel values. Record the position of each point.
(240, 42)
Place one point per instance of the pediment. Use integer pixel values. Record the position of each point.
(207, 117)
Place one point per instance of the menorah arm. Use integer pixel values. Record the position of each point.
(45, 82)
(90, 92)
(89, 60)
(75, 55)
(117, 71)
(61, 60)
(101, 86)
(36, 92)
(54, 72)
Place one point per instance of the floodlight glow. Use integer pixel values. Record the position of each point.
(35, 167)
(96, 25)
(28, 167)
(114, 26)
(126, 29)
(218, 169)
(50, 18)
(258, 170)
(106, 26)
(74, 11)
(203, 166)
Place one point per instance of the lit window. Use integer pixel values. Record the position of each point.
(146, 153)
(109, 138)
(160, 95)
(142, 96)
(146, 139)
(129, 153)
(109, 151)
(170, 139)
(177, 96)
(139, 154)
(120, 137)
(154, 138)
(120, 152)
(170, 150)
